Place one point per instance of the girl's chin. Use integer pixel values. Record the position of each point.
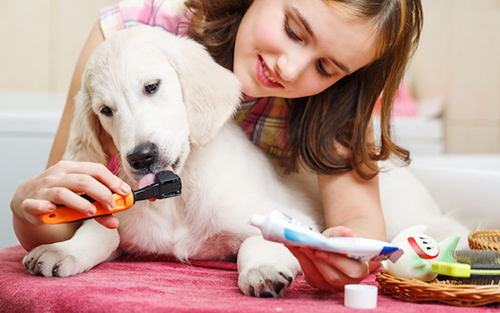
(250, 87)
(253, 92)
(257, 91)
(256, 94)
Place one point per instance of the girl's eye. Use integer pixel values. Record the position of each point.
(106, 111)
(151, 87)
(294, 36)
(290, 32)
(322, 70)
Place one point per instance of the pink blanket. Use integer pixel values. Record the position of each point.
(162, 285)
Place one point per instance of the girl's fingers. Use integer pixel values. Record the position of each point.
(339, 270)
(312, 272)
(33, 208)
(48, 201)
(338, 231)
(327, 278)
(108, 221)
(351, 268)
(309, 271)
(304, 261)
(98, 172)
(77, 184)
(62, 184)
(93, 179)
(329, 271)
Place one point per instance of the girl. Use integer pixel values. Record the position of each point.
(311, 72)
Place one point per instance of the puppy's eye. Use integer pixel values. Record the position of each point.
(106, 111)
(151, 87)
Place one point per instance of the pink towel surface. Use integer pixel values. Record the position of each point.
(145, 284)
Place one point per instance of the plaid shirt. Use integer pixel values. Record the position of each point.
(263, 120)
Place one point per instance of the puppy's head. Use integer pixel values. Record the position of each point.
(147, 95)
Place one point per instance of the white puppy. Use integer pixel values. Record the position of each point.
(146, 91)
(160, 102)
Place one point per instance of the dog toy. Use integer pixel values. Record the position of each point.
(167, 185)
(420, 251)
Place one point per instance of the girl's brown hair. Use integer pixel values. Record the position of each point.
(323, 127)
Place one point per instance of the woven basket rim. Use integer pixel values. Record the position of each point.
(486, 239)
(440, 291)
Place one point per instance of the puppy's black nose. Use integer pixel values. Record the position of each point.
(143, 156)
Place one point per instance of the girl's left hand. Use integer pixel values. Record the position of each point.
(330, 271)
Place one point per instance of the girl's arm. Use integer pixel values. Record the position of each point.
(63, 180)
(350, 201)
(95, 38)
(352, 208)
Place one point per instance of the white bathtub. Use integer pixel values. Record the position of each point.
(28, 124)
(466, 186)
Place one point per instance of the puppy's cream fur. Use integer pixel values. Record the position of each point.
(225, 178)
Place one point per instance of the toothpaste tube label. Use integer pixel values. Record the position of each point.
(281, 228)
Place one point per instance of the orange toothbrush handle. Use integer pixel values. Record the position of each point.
(64, 215)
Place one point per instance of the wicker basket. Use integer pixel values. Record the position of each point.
(446, 291)
(485, 239)
(441, 291)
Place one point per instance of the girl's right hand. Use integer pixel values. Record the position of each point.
(330, 271)
(62, 184)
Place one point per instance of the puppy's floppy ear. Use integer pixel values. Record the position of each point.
(86, 137)
(211, 93)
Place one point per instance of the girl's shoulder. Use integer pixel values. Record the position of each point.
(167, 14)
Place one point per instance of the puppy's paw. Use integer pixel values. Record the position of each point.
(265, 281)
(53, 261)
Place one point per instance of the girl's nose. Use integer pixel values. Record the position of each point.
(290, 67)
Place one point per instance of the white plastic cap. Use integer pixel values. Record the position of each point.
(257, 220)
(360, 296)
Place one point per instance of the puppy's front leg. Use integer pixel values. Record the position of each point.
(266, 269)
(91, 245)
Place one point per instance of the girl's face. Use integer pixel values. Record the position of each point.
(298, 48)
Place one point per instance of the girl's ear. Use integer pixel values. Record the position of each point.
(86, 136)
(211, 93)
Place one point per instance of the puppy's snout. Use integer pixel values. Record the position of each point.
(143, 156)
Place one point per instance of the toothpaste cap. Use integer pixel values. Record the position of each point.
(257, 220)
(360, 296)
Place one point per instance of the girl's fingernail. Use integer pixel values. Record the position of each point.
(125, 189)
(92, 211)
(112, 205)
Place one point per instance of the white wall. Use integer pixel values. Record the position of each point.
(457, 59)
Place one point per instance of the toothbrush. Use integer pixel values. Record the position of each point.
(167, 185)
(462, 270)
(479, 267)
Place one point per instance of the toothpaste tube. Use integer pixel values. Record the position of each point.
(281, 228)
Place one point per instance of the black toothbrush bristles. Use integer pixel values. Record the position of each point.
(484, 267)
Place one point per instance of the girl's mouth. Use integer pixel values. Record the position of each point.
(265, 75)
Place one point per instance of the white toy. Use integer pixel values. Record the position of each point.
(420, 251)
